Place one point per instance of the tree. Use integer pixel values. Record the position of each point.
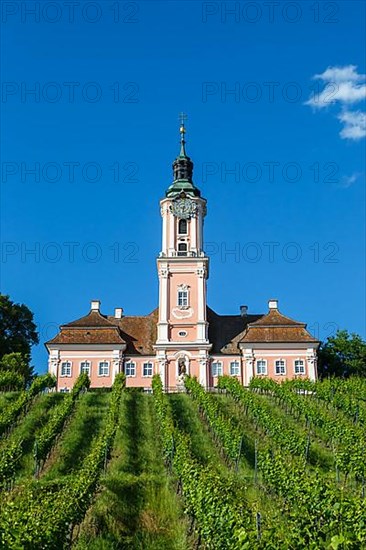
(11, 381)
(342, 355)
(17, 364)
(18, 331)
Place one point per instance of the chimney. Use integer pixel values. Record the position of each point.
(118, 313)
(95, 305)
(273, 304)
(243, 311)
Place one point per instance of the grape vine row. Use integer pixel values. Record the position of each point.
(10, 414)
(43, 516)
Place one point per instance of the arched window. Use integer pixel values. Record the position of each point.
(183, 227)
(182, 249)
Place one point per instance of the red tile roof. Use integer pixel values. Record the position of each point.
(92, 319)
(88, 335)
(225, 332)
(139, 332)
(275, 327)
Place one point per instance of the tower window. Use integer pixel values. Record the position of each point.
(182, 249)
(182, 227)
(182, 298)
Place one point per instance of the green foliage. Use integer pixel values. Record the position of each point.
(11, 381)
(316, 511)
(347, 439)
(223, 427)
(40, 516)
(18, 331)
(46, 439)
(11, 453)
(342, 355)
(285, 437)
(20, 442)
(221, 520)
(138, 506)
(17, 363)
(10, 414)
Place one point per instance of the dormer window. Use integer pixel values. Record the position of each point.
(183, 227)
(182, 249)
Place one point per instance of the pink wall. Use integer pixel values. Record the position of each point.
(225, 361)
(289, 359)
(171, 371)
(75, 359)
(138, 380)
(189, 279)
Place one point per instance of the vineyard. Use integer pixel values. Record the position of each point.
(273, 466)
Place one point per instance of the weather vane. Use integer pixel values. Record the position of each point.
(182, 118)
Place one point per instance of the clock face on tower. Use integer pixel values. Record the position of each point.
(184, 208)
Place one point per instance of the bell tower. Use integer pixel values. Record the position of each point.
(183, 272)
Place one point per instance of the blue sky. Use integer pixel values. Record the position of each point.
(281, 166)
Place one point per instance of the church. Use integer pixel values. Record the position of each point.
(183, 335)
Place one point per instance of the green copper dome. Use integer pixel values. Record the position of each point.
(182, 172)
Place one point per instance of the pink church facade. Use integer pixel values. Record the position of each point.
(182, 335)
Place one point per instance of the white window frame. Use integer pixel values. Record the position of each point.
(264, 361)
(303, 365)
(131, 366)
(69, 374)
(284, 367)
(148, 363)
(237, 367)
(217, 369)
(185, 301)
(99, 373)
(89, 367)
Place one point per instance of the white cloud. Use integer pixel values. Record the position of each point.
(344, 92)
(354, 125)
(340, 74)
(347, 181)
(343, 86)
